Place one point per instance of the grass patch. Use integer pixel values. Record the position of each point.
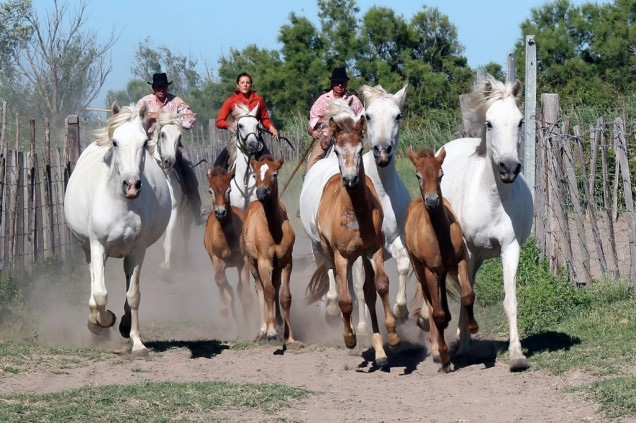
(160, 402)
(616, 396)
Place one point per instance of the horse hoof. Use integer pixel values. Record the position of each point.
(473, 328)
(519, 364)
(350, 341)
(140, 353)
(394, 341)
(382, 362)
(272, 338)
(445, 368)
(98, 329)
(124, 326)
(436, 358)
(423, 324)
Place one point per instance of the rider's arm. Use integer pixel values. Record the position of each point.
(224, 113)
(188, 117)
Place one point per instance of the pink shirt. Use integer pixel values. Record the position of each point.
(319, 109)
(172, 104)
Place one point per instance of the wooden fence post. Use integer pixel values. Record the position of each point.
(607, 199)
(621, 153)
(73, 147)
(529, 112)
(49, 230)
(3, 129)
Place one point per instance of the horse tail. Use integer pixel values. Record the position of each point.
(318, 284)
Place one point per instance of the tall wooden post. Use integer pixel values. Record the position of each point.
(73, 148)
(529, 112)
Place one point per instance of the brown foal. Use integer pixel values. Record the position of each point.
(350, 224)
(269, 242)
(224, 243)
(435, 245)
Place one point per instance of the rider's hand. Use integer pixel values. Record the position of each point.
(274, 132)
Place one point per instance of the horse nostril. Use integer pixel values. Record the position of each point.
(376, 148)
(517, 168)
(503, 168)
(388, 150)
(138, 184)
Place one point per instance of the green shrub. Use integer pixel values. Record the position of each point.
(11, 296)
(543, 298)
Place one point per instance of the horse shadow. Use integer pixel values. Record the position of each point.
(408, 356)
(203, 348)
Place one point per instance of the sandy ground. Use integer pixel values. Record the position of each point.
(183, 312)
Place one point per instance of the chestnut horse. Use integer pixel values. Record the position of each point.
(435, 245)
(224, 243)
(346, 221)
(269, 242)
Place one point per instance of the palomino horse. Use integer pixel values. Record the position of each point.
(491, 199)
(343, 217)
(436, 248)
(117, 204)
(224, 243)
(383, 112)
(245, 143)
(269, 243)
(166, 136)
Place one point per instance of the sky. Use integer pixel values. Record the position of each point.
(207, 30)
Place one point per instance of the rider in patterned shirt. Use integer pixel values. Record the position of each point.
(161, 100)
(339, 81)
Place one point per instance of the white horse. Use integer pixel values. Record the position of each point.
(245, 143)
(491, 199)
(166, 137)
(383, 113)
(117, 203)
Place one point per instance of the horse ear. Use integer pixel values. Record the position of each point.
(441, 155)
(400, 96)
(280, 162)
(362, 125)
(350, 102)
(209, 172)
(412, 156)
(254, 111)
(253, 163)
(142, 111)
(333, 128)
(487, 89)
(114, 109)
(516, 89)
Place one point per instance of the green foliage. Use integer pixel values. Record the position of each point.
(14, 29)
(543, 298)
(11, 297)
(617, 396)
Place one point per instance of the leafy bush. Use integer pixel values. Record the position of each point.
(10, 296)
(543, 298)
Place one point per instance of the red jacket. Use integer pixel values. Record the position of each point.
(251, 100)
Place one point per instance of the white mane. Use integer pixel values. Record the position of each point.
(370, 94)
(343, 115)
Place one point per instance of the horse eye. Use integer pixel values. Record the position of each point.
(488, 124)
(520, 123)
(146, 144)
(368, 117)
(418, 176)
(398, 117)
(275, 174)
(114, 143)
(210, 191)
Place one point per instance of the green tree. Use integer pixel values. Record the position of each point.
(339, 25)
(14, 29)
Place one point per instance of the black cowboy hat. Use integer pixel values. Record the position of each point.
(160, 80)
(339, 75)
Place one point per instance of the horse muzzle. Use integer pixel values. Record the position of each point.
(350, 181)
(431, 201)
(168, 164)
(382, 155)
(508, 171)
(132, 188)
(220, 213)
(262, 193)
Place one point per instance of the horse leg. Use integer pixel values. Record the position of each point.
(244, 288)
(434, 290)
(187, 228)
(265, 271)
(258, 285)
(132, 268)
(463, 332)
(168, 241)
(359, 278)
(226, 296)
(382, 286)
(467, 322)
(98, 316)
(370, 297)
(286, 300)
(400, 255)
(510, 262)
(342, 268)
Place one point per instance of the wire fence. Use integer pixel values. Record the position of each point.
(584, 189)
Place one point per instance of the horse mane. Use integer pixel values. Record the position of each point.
(238, 112)
(104, 136)
(165, 117)
(342, 114)
(485, 91)
(218, 171)
(370, 94)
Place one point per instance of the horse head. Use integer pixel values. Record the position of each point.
(167, 136)
(428, 169)
(126, 138)
(266, 172)
(248, 136)
(347, 130)
(495, 106)
(383, 112)
(219, 180)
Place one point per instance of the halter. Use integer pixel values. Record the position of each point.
(242, 140)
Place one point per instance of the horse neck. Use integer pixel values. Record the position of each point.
(274, 214)
(359, 197)
(241, 166)
(441, 224)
